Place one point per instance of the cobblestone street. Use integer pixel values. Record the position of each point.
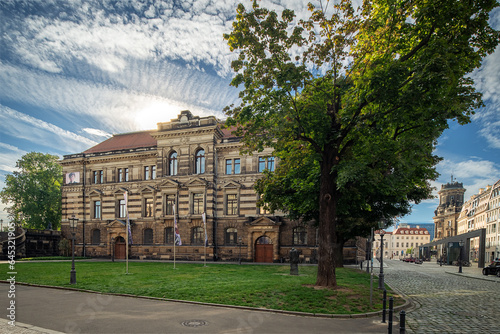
(445, 301)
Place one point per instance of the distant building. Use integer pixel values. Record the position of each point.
(428, 226)
(482, 211)
(451, 199)
(402, 242)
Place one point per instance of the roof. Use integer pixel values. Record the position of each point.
(411, 230)
(124, 141)
(228, 132)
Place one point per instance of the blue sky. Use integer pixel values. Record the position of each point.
(74, 72)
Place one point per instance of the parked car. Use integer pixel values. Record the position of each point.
(492, 269)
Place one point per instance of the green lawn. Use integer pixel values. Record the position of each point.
(266, 286)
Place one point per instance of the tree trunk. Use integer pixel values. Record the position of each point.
(327, 223)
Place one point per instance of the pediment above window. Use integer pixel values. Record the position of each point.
(147, 190)
(264, 221)
(197, 181)
(169, 184)
(232, 185)
(120, 190)
(95, 192)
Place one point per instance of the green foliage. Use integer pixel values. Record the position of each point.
(353, 101)
(64, 247)
(263, 286)
(33, 192)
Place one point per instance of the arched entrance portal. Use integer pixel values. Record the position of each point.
(120, 248)
(264, 249)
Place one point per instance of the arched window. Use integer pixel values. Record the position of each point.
(231, 236)
(148, 236)
(199, 167)
(172, 164)
(299, 235)
(197, 237)
(96, 236)
(169, 235)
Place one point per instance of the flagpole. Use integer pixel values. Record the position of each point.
(204, 216)
(175, 231)
(126, 227)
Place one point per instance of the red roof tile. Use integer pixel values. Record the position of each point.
(124, 141)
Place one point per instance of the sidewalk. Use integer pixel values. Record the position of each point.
(57, 310)
(472, 272)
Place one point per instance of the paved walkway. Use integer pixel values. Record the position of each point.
(55, 310)
(446, 301)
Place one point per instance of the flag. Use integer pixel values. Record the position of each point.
(204, 216)
(177, 236)
(125, 195)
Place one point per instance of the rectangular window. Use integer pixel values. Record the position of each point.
(122, 209)
(231, 236)
(169, 235)
(263, 210)
(270, 164)
(266, 163)
(299, 236)
(169, 204)
(197, 204)
(233, 166)
(237, 169)
(98, 176)
(262, 164)
(97, 209)
(148, 207)
(232, 204)
(122, 174)
(153, 172)
(146, 173)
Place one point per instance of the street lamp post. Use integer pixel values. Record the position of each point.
(381, 275)
(113, 249)
(461, 243)
(73, 222)
(239, 243)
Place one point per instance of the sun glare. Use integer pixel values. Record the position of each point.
(156, 112)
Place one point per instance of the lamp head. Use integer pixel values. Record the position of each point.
(73, 222)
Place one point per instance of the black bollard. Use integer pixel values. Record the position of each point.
(402, 319)
(384, 302)
(391, 301)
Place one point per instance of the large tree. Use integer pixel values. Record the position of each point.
(365, 92)
(33, 192)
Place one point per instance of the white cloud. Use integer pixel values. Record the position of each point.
(166, 85)
(474, 174)
(96, 132)
(15, 123)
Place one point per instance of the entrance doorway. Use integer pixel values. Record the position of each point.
(264, 250)
(120, 248)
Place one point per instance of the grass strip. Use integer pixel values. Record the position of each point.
(264, 286)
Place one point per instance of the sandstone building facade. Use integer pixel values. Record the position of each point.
(187, 167)
(482, 211)
(451, 199)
